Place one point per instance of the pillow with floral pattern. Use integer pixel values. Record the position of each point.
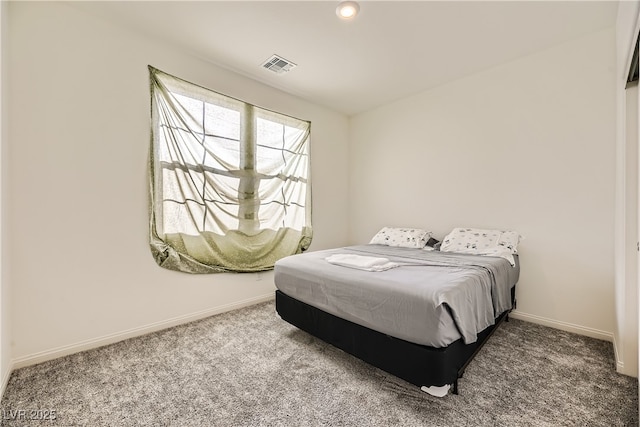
(468, 240)
(401, 237)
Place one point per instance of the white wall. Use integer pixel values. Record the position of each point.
(627, 337)
(626, 230)
(5, 295)
(528, 146)
(82, 273)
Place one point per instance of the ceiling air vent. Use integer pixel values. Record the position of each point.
(278, 65)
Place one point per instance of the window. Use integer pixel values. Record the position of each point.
(230, 186)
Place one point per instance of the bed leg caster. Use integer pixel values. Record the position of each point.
(439, 391)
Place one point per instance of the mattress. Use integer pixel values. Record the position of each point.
(433, 298)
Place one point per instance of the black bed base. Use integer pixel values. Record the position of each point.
(417, 364)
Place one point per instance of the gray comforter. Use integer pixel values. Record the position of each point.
(433, 298)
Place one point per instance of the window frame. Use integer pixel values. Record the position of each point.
(248, 173)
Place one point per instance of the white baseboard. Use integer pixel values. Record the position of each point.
(563, 326)
(43, 356)
(629, 369)
(5, 379)
(616, 353)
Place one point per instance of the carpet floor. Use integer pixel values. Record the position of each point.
(250, 368)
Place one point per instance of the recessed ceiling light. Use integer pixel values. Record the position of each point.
(347, 9)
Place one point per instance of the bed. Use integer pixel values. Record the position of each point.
(422, 320)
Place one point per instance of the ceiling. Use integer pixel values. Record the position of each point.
(392, 49)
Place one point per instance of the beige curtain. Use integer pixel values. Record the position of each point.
(229, 182)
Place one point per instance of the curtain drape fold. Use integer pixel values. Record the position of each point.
(229, 182)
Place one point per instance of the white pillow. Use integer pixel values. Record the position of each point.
(402, 237)
(476, 240)
(497, 251)
(510, 240)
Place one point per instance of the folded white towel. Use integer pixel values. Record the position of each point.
(361, 262)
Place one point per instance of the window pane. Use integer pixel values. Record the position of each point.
(222, 153)
(223, 188)
(187, 148)
(190, 112)
(277, 146)
(270, 134)
(221, 196)
(184, 209)
(179, 185)
(221, 217)
(222, 122)
(282, 203)
(178, 218)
